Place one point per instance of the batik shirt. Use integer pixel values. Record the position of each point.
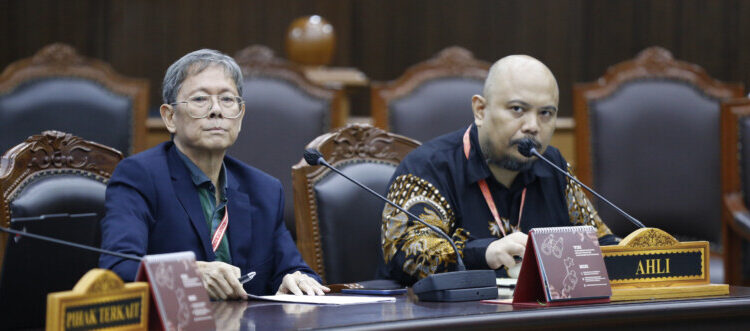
(440, 185)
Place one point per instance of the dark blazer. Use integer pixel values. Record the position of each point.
(153, 207)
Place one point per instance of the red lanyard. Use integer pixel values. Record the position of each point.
(486, 190)
(219, 233)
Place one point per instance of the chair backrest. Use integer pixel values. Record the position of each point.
(49, 174)
(338, 223)
(647, 137)
(735, 179)
(57, 89)
(283, 112)
(432, 97)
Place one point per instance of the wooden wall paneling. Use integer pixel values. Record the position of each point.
(656, 23)
(607, 38)
(368, 28)
(162, 31)
(706, 46)
(578, 39)
(35, 23)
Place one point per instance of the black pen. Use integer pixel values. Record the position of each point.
(246, 278)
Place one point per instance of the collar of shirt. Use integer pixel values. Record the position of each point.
(200, 179)
(477, 168)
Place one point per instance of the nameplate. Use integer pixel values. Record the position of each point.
(562, 266)
(179, 299)
(654, 257)
(100, 300)
(665, 265)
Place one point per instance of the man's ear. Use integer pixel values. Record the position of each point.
(167, 115)
(478, 106)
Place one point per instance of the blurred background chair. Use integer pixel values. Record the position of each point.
(58, 89)
(283, 112)
(338, 223)
(735, 179)
(42, 180)
(432, 97)
(647, 138)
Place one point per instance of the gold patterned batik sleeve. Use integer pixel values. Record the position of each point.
(580, 209)
(415, 248)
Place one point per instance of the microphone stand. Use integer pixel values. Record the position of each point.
(72, 244)
(527, 150)
(460, 285)
(243, 279)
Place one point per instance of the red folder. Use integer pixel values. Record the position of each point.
(561, 266)
(179, 300)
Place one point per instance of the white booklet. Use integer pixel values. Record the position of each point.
(323, 299)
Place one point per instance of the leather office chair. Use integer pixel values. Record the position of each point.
(338, 223)
(283, 112)
(432, 97)
(48, 174)
(58, 89)
(647, 138)
(735, 179)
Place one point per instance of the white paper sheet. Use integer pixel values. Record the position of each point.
(323, 299)
(506, 282)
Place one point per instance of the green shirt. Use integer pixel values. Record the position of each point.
(212, 211)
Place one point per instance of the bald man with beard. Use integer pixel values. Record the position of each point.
(443, 181)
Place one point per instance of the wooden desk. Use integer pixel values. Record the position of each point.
(730, 312)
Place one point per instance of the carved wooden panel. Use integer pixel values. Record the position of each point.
(61, 60)
(450, 62)
(733, 234)
(259, 60)
(361, 142)
(653, 62)
(50, 152)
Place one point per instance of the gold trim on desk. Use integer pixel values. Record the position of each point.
(650, 242)
(654, 293)
(99, 300)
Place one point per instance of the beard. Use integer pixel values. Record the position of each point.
(507, 161)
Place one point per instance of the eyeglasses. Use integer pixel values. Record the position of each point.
(199, 106)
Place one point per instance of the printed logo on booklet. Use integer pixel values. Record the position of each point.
(562, 266)
(180, 299)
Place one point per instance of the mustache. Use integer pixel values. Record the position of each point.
(526, 140)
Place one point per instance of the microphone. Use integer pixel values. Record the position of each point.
(527, 148)
(71, 244)
(242, 279)
(460, 285)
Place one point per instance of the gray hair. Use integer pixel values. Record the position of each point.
(193, 63)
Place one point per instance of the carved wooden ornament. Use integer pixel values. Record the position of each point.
(353, 143)
(50, 153)
(62, 60)
(450, 62)
(653, 62)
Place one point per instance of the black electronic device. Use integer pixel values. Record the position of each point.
(460, 285)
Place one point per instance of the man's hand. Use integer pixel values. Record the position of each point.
(220, 279)
(298, 282)
(500, 252)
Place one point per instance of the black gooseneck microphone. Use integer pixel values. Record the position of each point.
(461, 285)
(71, 244)
(84, 247)
(527, 149)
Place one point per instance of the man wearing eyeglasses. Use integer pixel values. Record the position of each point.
(188, 195)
